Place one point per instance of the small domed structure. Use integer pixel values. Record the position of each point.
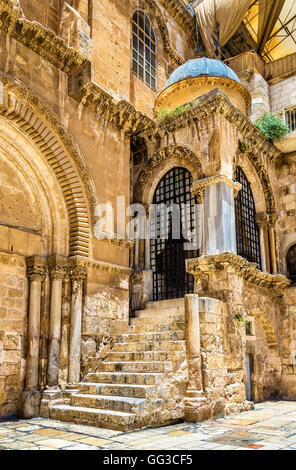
(197, 77)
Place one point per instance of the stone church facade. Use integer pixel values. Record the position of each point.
(104, 330)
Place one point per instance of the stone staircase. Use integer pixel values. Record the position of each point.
(142, 380)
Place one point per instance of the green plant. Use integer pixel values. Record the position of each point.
(272, 126)
(167, 113)
(241, 320)
(243, 147)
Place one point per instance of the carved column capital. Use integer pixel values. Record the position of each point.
(262, 219)
(57, 267)
(272, 219)
(36, 268)
(78, 268)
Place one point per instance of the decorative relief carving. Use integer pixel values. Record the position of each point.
(164, 155)
(198, 187)
(78, 268)
(39, 39)
(57, 266)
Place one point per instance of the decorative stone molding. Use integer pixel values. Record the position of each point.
(36, 268)
(215, 103)
(122, 115)
(115, 240)
(57, 266)
(161, 23)
(25, 109)
(198, 187)
(164, 155)
(178, 11)
(110, 268)
(39, 39)
(240, 266)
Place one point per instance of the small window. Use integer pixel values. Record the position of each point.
(144, 49)
(291, 264)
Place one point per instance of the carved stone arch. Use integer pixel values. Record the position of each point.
(155, 13)
(35, 119)
(161, 162)
(253, 166)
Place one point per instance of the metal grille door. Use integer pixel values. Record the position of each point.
(247, 230)
(168, 256)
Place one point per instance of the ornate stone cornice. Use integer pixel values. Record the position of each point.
(199, 186)
(240, 266)
(57, 266)
(39, 39)
(110, 267)
(212, 103)
(36, 268)
(114, 239)
(78, 268)
(177, 10)
(122, 115)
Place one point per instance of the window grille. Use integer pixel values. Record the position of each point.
(144, 49)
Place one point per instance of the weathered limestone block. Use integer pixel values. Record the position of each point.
(75, 31)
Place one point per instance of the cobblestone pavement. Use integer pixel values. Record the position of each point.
(271, 426)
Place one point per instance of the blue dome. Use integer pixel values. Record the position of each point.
(201, 67)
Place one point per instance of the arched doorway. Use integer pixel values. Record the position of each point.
(172, 225)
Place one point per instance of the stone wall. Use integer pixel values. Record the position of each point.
(283, 94)
(13, 300)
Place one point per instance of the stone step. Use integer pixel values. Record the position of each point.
(146, 356)
(116, 420)
(158, 312)
(121, 390)
(134, 366)
(164, 304)
(129, 378)
(152, 336)
(156, 327)
(125, 404)
(141, 346)
(158, 319)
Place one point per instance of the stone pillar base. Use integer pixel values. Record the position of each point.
(30, 403)
(52, 393)
(197, 407)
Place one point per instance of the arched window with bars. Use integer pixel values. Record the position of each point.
(247, 230)
(291, 264)
(144, 49)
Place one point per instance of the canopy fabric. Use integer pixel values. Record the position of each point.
(269, 11)
(228, 14)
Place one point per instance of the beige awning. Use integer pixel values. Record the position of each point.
(271, 23)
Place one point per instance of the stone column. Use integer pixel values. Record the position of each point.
(78, 274)
(219, 216)
(197, 408)
(262, 221)
(272, 220)
(57, 269)
(30, 399)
